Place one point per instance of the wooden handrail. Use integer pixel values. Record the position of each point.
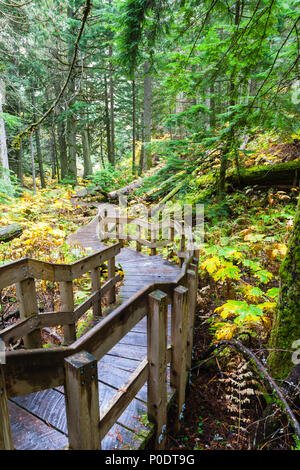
(24, 272)
(25, 268)
(149, 227)
(28, 371)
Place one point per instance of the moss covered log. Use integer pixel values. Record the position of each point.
(10, 232)
(286, 327)
(267, 175)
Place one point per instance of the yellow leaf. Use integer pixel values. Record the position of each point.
(211, 264)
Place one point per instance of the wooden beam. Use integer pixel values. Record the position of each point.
(117, 405)
(157, 327)
(6, 441)
(96, 285)
(67, 304)
(82, 402)
(23, 269)
(28, 306)
(179, 332)
(192, 287)
(13, 272)
(111, 268)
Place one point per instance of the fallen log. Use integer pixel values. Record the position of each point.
(267, 175)
(115, 194)
(10, 232)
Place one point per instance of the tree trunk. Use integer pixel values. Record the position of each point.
(286, 328)
(230, 142)
(61, 133)
(112, 108)
(107, 123)
(54, 161)
(87, 163)
(20, 165)
(32, 164)
(38, 142)
(133, 125)
(3, 146)
(71, 117)
(147, 157)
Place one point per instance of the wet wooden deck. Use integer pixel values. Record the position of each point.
(39, 419)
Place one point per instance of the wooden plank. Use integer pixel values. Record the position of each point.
(100, 339)
(128, 351)
(111, 268)
(157, 351)
(33, 370)
(6, 441)
(28, 306)
(113, 374)
(123, 397)
(13, 272)
(45, 319)
(96, 285)
(31, 433)
(47, 405)
(95, 297)
(135, 339)
(179, 354)
(18, 330)
(82, 402)
(191, 285)
(67, 305)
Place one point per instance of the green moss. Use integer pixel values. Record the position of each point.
(287, 317)
(286, 173)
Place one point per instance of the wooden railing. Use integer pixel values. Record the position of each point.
(23, 274)
(146, 233)
(75, 366)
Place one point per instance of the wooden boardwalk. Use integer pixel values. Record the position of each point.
(39, 419)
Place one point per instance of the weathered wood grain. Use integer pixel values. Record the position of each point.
(82, 402)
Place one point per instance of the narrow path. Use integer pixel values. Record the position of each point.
(39, 419)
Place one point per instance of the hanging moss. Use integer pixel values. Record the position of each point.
(287, 318)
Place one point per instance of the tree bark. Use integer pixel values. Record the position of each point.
(286, 328)
(112, 108)
(38, 142)
(61, 133)
(87, 163)
(3, 146)
(32, 164)
(71, 117)
(107, 123)
(147, 157)
(133, 126)
(230, 142)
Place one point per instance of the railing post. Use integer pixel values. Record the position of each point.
(171, 234)
(179, 334)
(67, 305)
(6, 441)
(154, 240)
(157, 322)
(111, 268)
(28, 306)
(96, 285)
(105, 225)
(192, 298)
(182, 248)
(138, 236)
(82, 402)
